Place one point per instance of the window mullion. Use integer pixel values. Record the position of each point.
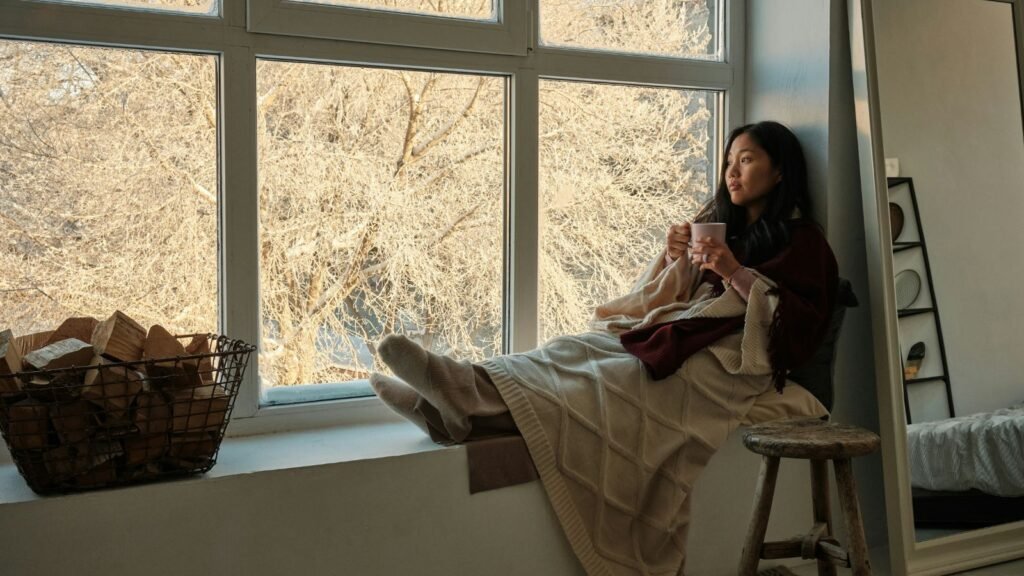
(112, 27)
(524, 234)
(735, 51)
(239, 234)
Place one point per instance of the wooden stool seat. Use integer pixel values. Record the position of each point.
(811, 439)
(817, 441)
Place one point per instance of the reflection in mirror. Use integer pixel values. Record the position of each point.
(949, 96)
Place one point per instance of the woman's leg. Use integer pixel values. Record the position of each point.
(455, 398)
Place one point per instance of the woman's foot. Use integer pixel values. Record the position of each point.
(408, 360)
(446, 384)
(400, 397)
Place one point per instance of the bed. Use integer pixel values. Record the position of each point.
(968, 471)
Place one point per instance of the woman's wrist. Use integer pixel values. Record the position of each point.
(727, 279)
(741, 280)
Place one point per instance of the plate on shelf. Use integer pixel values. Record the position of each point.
(895, 220)
(908, 286)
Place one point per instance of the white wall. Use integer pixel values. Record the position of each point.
(950, 107)
(398, 515)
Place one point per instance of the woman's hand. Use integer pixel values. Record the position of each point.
(715, 256)
(677, 240)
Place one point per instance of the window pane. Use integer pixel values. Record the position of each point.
(381, 211)
(207, 7)
(475, 9)
(618, 165)
(108, 186)
(682, 28)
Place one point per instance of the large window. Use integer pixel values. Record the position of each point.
(380, 212)
(477, 9)
(617, 164)
(108, 186)
(683, 28)
(476, 174)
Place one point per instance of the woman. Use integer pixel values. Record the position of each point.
(620, 421)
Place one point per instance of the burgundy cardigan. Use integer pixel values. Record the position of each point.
(806, 275)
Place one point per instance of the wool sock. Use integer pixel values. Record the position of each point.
(454, 388)
(400, 397)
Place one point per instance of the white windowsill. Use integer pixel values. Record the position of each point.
(384, 438)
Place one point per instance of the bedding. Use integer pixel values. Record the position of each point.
(978, 452)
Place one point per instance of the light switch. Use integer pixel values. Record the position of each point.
(892, 167)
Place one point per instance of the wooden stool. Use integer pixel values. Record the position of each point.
(817, 441)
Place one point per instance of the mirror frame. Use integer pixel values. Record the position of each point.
(908, 557)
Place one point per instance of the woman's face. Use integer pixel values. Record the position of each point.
(750, 175)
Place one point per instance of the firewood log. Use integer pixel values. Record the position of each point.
(200, 409)
(201, 345)
(28, 426)
(63, 354)
(152, 413)
(10, 363)
(119, 338)
(112, 388)
(143, 449)
(29, 342)
(192, 450)
(73, 421)
(65, 461)
(79, 327)
(100, 475)
(161, 344)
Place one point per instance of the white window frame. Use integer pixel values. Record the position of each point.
(238, 48)
(506, 34)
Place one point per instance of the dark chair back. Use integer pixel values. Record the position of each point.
(818, 373)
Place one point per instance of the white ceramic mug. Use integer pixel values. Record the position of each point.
(699, 230)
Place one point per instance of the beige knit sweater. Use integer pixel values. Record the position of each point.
(617, 452)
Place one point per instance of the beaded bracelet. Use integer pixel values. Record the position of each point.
(727, 282)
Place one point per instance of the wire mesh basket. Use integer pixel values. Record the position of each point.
(109, 424)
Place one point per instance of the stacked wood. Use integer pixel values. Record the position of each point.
(144, 449)
(98, 402)
(63, 354)
(175, 372)
(112, 388)
(74, 422)
(119, 338)
(28, 426)
(102, 464)
(200, 346)
(80, 328)
(66, 461)
(10, 363)
(193, 449)
(203, 408)
(152, 413)
(29, 342)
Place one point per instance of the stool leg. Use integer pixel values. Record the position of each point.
(759, 520)
(851, 512)
(822, 508)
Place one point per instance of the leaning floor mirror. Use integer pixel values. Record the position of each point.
(937, 86)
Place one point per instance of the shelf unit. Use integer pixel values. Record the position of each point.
(932, 310)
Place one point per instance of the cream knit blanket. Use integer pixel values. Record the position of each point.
(617, 452)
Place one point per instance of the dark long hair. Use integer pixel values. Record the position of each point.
(760, 241)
